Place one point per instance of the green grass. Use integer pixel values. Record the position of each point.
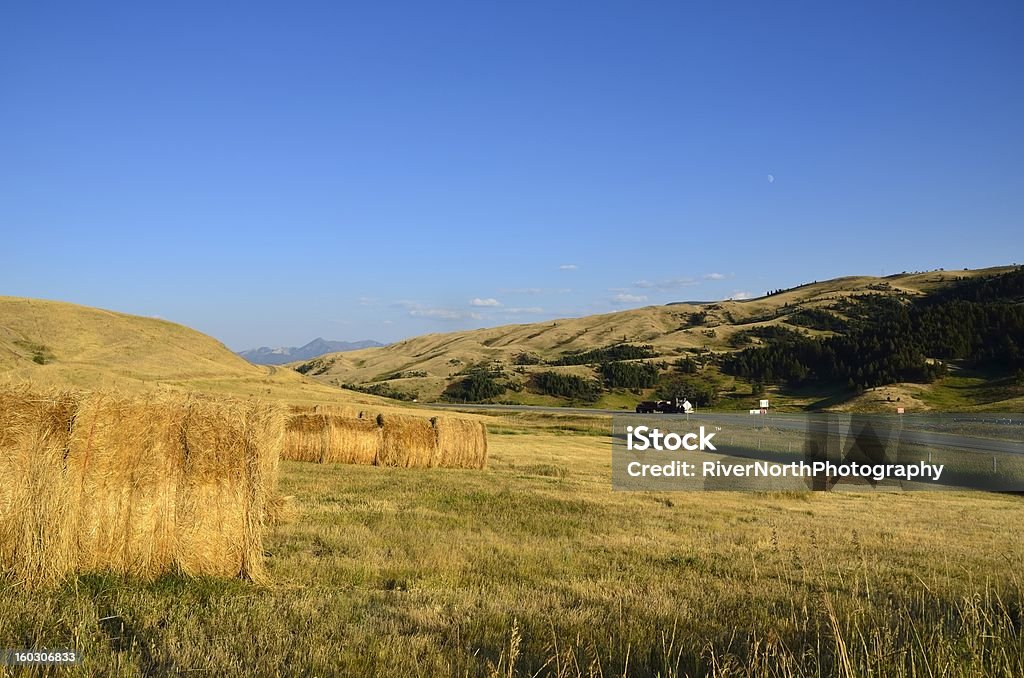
(535, 567)
(40, 353)
(621, 400)
(971, 389)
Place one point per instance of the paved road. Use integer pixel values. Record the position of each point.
(1011, 443)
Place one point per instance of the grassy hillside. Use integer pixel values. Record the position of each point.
(423, 367)
(50, 343)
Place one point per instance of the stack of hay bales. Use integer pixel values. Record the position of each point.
(387, 440)
(138, 486)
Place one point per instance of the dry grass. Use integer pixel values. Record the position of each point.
(329, 409)
(97, 350)
(136, 486)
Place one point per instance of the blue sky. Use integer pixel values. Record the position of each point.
(272, 172)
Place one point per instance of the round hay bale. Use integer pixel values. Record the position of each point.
(461, 443)
(36, 521)
(124, 464)
(305, 438)
(351, 441)
(134, 485)
(229, 477)
(406, 442)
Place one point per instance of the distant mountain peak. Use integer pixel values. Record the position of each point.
(266, 355)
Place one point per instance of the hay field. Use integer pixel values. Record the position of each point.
(535, 567)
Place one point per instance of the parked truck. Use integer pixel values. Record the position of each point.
(677, 406)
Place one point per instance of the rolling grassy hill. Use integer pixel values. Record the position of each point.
(51, 343)
(423, 367)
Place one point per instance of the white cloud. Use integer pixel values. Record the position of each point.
(443, 314)
(568, 267)
(534, 291)
(669, 284)
(368, 301)
(714, 276)
(527, 310)
(418, 310)
(628, 298)
(739, 296)
(488, 302)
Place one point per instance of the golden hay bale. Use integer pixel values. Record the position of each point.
(36, 525)
(51, 412)
(138, 486)
(351, 441)
(406, 441)
(305, 438)
(323, 438)
(124, 465)
(229, 477)
(461, 443)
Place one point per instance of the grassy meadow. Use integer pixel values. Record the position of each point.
(535, 567)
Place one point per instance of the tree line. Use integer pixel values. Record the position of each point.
(888, 340)
(606, 354)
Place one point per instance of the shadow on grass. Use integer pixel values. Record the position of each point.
(117, 620)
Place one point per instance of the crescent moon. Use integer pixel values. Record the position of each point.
(771, 178)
